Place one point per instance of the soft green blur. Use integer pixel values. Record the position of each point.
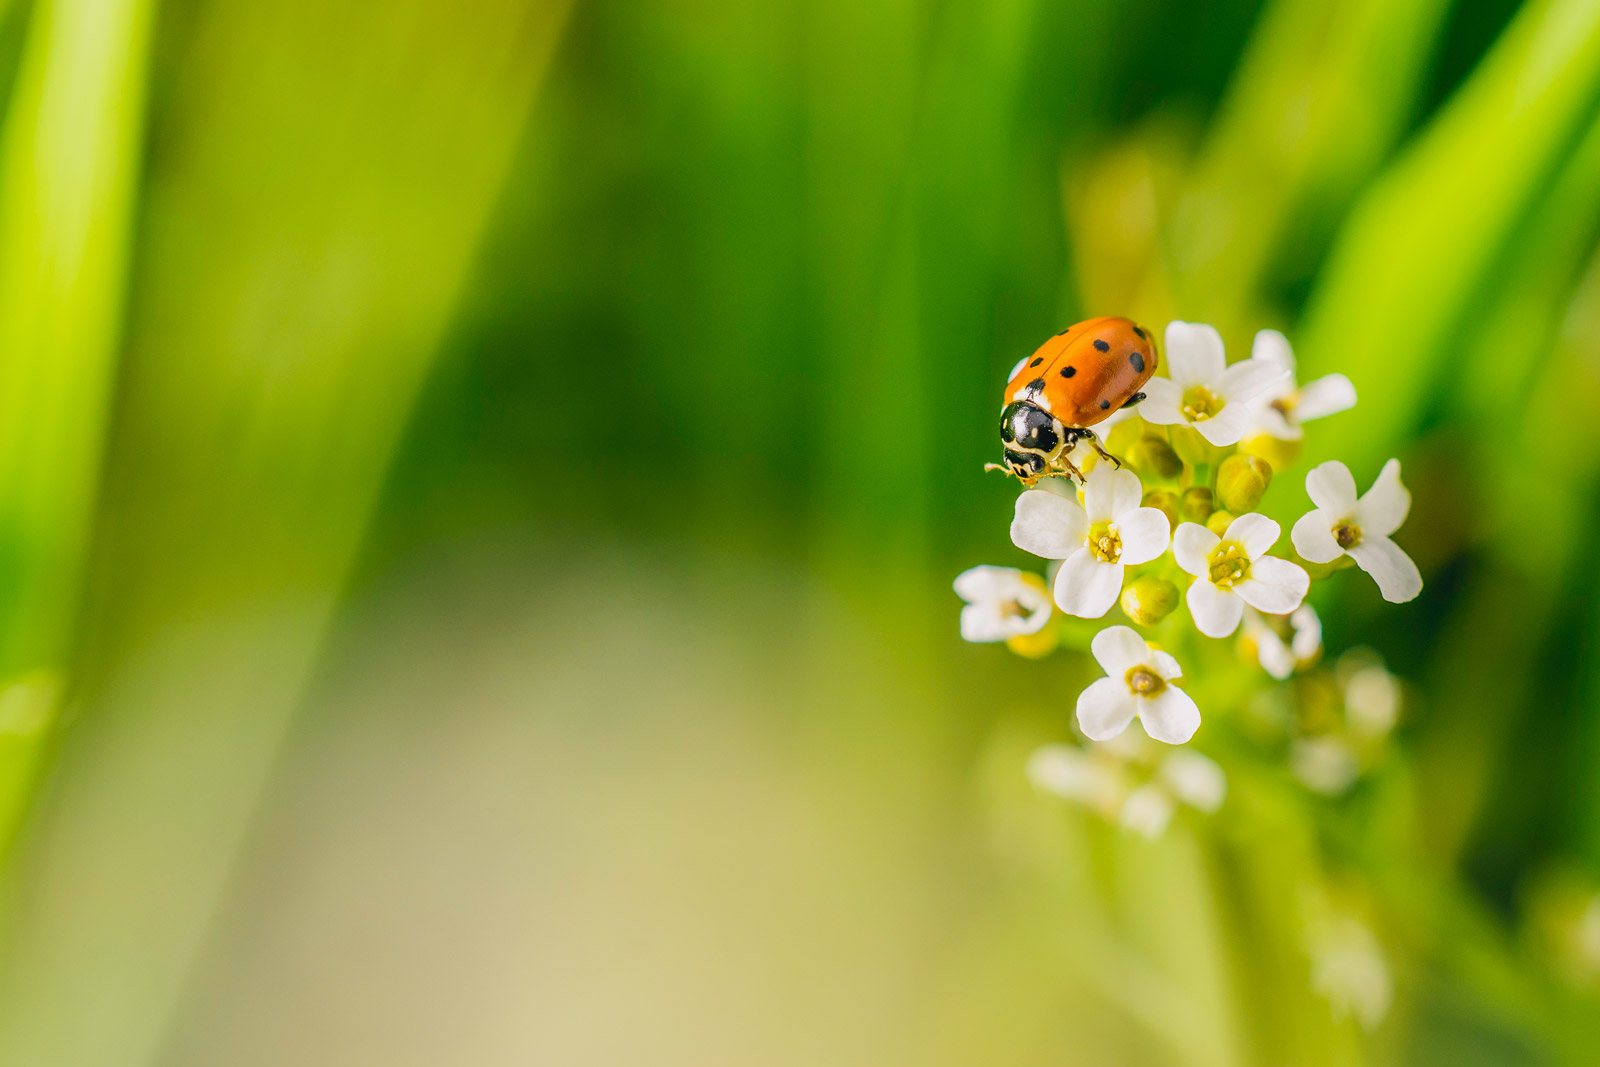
(480, 484)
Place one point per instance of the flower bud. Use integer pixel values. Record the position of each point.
(1280, 454)
(1219, 522)
(1149, 599)
(1241, 482)
(1196, 504)
(1165, 501)
(1188, 444)
(1152, 455)
(1123, 435)
(1036, 645)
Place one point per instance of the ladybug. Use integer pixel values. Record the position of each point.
(1074, 381)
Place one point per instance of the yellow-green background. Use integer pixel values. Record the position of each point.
(480, 482)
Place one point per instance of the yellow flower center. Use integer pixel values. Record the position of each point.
(1228, 565)
(1285, 405)
(1105, 543)
(1013, 609)
(1347, 534)
(1144, 682)
(1200, 404)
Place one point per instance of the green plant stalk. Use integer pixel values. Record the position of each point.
(306, 251)
(69, 160)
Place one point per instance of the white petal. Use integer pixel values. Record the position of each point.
(987, 583)
(1165, 664)
(1065, 771)
(1195, 355)
(1216, 612)
(1397, 577)
(1273, 347)
(1273, 655)
(1323, 764)
(1163, 399)
(1105, 709)
(1332, 488)
(1118, 649)
(1195, 780)
(1048, 525)
(1307, 632)
(1255, 532)
(1086, 587)
(1270, 421)
(1227, 426)
(1275, 586)
(1325, 396)
(1170, 715)
(1312, 537)
(1145, 533)
(986, 622)
(1147, 811)
(1191, 547)
(1248, 379)
(1110, 491)
(1385, 505)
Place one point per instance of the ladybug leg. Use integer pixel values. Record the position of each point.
(1099, 448)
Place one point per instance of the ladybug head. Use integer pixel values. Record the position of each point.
(1030, 436)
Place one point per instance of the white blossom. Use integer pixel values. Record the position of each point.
(1001, 603)
(1359, 527)
(1202, 390)
(1234, 570)
(1278, 657)
(1349, 972)
(1138, 683)
(1284, 406)
(1096, 541)
(1122, 781)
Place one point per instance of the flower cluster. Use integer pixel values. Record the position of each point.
(1171, 540)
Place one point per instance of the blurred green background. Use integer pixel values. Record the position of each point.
(461, 604)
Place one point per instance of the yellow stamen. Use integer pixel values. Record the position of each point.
(1105, 543)
(1200, 404)
(1228, 565)
(1142, 681)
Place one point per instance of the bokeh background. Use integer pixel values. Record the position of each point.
(480, 483)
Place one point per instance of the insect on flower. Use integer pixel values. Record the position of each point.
(1074, 381)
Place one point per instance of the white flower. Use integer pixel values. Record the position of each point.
(1103, 779)
(1096, 541)
(1280, 410)
(1343, 525)
(1001, 603)
(1138, 683)
(1278, 657)
(1234, 570)
(1202, 390)
(1183, 777)
(1349, 972)
(1326, 765)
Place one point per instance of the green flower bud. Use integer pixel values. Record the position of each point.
(1165, 501)
(1196, 505)
(1149, 599)
(1280, 454)
(1219, 522)
(1123, 435)
(1194, 449)
(1241, 482)
(1152, 455)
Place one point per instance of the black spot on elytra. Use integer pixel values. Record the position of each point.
(1137, 359)
(1138, 331)
(1104, 404)
(1036, 385)
(1036, 362)
(1067, 372)
(1101, 345)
